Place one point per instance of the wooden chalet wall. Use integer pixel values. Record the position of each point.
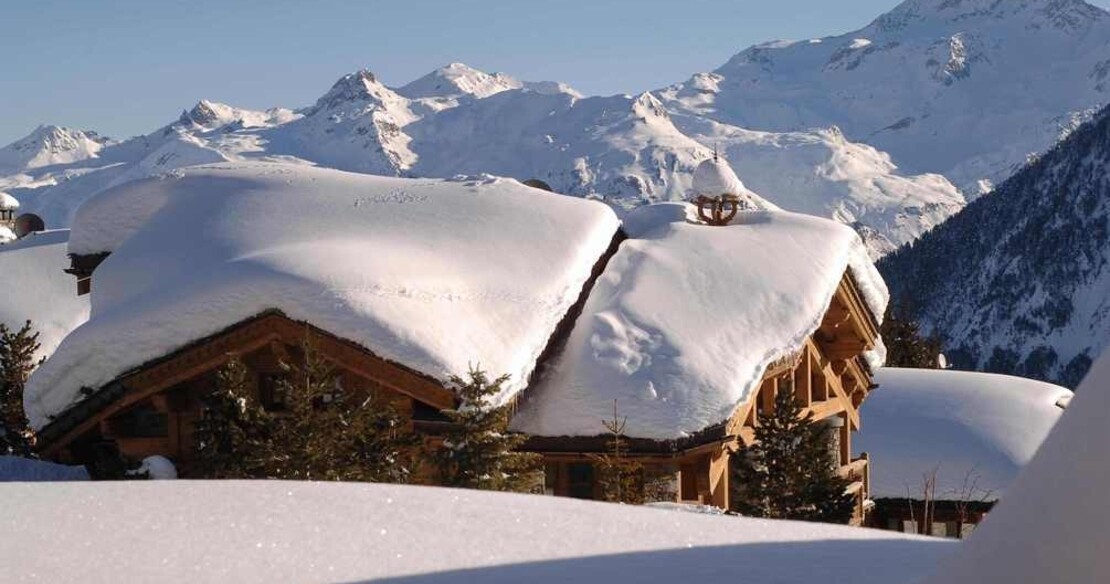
(152, 409)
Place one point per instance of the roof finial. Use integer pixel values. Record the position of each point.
(715, 157)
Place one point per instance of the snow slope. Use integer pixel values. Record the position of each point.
(433, 274)
(33, 286)
(628, 150)
(964, 88)
(686, 317)
(957, 423)
(1054, 524)
(273, 531)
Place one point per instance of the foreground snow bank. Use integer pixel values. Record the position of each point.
(190, 531)
(1054, 523)
(956, 422)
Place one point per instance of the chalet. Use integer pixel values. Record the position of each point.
(947, 445)
(688, 317)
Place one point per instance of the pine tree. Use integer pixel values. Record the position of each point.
(790, 472)
(338, 435)
(326, 432)
(905, 344)
(478, 451)
(623, 479)
(17, 361)
(232, 435)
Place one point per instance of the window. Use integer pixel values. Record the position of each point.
(142, 422)
(580, 480)
(271, 392)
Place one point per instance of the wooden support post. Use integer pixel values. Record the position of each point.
(719, 478)
(803, 380)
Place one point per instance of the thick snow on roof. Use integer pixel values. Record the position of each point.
(34, 287)
(433, 274)
(24, 470)
(1053, 525)
(965, 425)
(8, 202)
(714, 177)
(685, 319)
(275, 531)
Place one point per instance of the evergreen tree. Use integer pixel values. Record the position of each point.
(790, 472)
(17, 360)
(326, 433)
(232, 435)
(623, 479)
(478, 451)
(906, 346)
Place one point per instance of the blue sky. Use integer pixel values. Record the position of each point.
(123, 67)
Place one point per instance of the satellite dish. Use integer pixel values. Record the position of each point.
(28, 223)
(539, 184)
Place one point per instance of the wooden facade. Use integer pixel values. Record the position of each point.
(152, 410)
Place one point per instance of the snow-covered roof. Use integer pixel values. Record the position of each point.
(432, 274)
(957, 422)
(685, 319)
(8, 202)
(1052, 524)
(277, 531)
(714, 177)
(34, 287)
(6, 234)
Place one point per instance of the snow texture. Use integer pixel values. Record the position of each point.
(956, 422)
(274, 531)
(34, 287)
(433, 274)
(686, 318)
(1052, 526)
(24, 470)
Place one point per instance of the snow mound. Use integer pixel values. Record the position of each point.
(432, 274)
(8, 202)
(34, 287)
(714, 177)
(685, 319)
(1052, 524)
(273, 531)
(24, 470)
(957, 422)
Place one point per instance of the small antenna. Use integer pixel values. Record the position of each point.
(715, 157)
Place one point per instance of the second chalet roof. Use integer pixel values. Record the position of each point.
(685, 319)
(965, 425)
(432, 274)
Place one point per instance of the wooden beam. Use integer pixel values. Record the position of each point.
(719, 477)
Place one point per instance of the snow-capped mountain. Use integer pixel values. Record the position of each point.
(965, 88)
(48, 146)
(1019, 282)
(625, 149)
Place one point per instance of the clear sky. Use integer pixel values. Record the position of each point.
(124, 67)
